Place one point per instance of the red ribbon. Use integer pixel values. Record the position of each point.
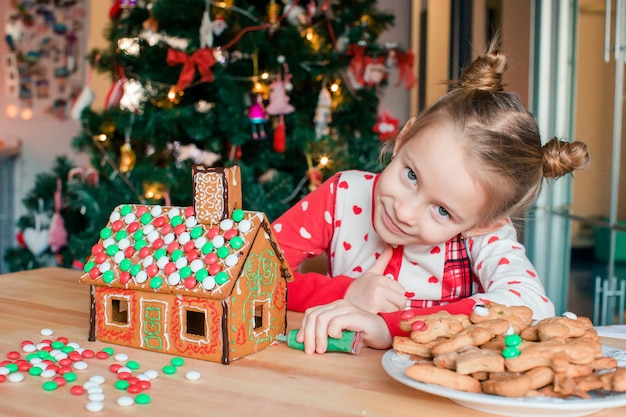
(357, 64)
(202, 60)
(405, 69)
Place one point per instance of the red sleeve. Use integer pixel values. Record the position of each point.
(304, 231)
(464, 306)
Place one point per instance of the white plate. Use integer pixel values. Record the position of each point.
(395, 365)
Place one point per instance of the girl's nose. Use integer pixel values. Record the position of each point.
(407, 210)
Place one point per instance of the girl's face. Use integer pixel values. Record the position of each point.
(426, 195)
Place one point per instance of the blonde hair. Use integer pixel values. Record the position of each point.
(501, 138)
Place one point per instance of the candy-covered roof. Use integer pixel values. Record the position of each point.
(165, 249)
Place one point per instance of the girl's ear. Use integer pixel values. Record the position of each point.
(400, 139)
(488, 228)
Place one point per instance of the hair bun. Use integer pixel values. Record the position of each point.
(560, 157)
(485, 72)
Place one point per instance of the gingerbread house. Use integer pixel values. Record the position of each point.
(207, 281)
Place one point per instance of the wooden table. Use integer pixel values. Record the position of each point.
(277, 381)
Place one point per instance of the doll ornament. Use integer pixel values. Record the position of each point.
(279, 106)
(258, 118)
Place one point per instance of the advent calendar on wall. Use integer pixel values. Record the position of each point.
(42, 68)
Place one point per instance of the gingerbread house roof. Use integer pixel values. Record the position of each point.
(197, 250)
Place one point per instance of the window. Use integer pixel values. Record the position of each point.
(195, 323)
(258, 316)
(119, 311)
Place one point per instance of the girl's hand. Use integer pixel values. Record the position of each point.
(375, 292)
(330, 319)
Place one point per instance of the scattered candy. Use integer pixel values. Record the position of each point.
(94, 406)
(46, 332)
(96, 396)
(15, 377)
(54, 361)
(77, 390)
(192, 375)
(142, 399)
(169, 369)
(125, 401)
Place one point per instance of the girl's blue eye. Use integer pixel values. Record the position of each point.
(443, 212)
(411, 175)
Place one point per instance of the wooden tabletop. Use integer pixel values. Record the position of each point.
(277, 381)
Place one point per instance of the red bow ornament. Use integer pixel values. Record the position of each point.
(405, 69)
(202, 60)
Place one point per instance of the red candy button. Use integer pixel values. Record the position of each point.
(129, 252)
(214, 269)
(159, 221)
(157, 244)
(96, 249)
(124, 277)
(13, 355)
(117, 225)
(145, 251)
(170, 267)
(88, 354)
(152, 270)
(77, 390)
(213, 231)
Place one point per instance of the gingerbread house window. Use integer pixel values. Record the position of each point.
(119, 311)
(258, 316)
(195, 323)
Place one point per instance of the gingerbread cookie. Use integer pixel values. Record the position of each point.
(519, 317)
(431, 374)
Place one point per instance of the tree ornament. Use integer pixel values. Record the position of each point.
(356, 68)
(202, 60)
(273, 12)
(191, 152)
(294, 13)
(386, 126)
(323, 113)
(311, 9)
(129, 46)
(128, 4)
(279, 100)
(37, 239)
(57, 232)
(206, 30)
(219, 25)
(133, 97)
(279, 106)
(114, 95)
(257, 117)
(375, 71)
(127, 155)
(280, 136)
(86, 96)
(127, 158)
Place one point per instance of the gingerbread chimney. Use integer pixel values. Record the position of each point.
(216, 192)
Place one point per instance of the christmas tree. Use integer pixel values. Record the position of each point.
(287, 90)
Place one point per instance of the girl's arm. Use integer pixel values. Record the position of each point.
(505, 273)
(305, 231)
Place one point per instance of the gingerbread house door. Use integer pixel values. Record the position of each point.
(153, 321)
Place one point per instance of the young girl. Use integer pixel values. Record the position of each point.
(433, 231)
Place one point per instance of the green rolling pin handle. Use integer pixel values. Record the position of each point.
(349, 342)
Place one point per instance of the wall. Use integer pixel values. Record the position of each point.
(42, 138)
(594, 113)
